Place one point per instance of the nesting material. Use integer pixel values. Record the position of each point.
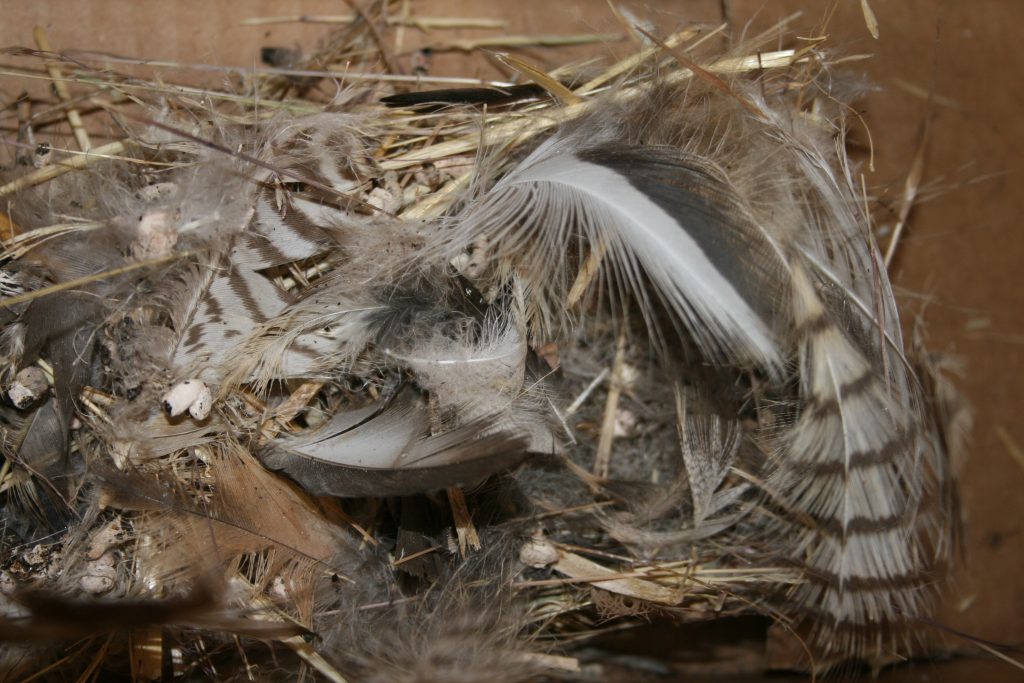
(449, 386)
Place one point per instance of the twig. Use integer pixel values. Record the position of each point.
(23, 112)
(299, 645)
(18, 245)
(910, 189)
(631, 583)
(869, 19)
(702, 73)
(403, 13)
(340, 74)
(556, 662)
(633, 61)
(434, 203)
(61, 88)
(562, 421)
(58, 169)
(586, 275)
(1011, 445)
(422, 23)
(382, 47)
(287, 411)
(468, 537)
(415, 555)
(585, 394)
(94, 665)
(611, 408)
(996, 653)
(71, 284)
(538, 76)
(471, 44)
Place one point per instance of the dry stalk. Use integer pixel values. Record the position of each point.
(55, 170)
(471, 44)
(61, 88)
(910, 189)
(422, 23)
(287, 411)
(602, 461)
(464, 527)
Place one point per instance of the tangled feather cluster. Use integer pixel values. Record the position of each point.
(309, 394)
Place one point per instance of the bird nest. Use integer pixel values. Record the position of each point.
(315, 372)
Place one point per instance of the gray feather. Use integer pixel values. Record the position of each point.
(386, 449)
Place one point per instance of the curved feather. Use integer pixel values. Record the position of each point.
(667, 221)
(386, 449)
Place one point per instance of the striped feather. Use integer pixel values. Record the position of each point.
(855, 468)
(239, 300)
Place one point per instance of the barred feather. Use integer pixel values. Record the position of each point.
(239, 299)
(858, 466)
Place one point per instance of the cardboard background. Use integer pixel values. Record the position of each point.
(959, 266)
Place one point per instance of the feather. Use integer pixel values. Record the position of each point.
(709, 444)
(434, 100)
(661, 215)
(38, 444)
(478, 371)
(755, 276)
(63, 327)
(252, 530)
(386, 449)
(52, 617)
(238, 299)
(859, 466)
(233, 298)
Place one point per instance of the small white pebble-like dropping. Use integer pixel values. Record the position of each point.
(192, 395)
(156, 237)
(538, 553)
(100, 575)
(200, 408)
(43, 155)
(625, 423)
(28, 386)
